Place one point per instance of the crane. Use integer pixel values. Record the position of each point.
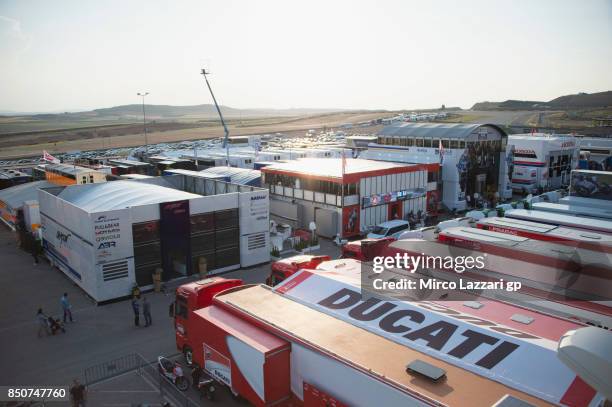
(226, 140)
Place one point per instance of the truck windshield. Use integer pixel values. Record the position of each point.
(181, 309)
(379, 230)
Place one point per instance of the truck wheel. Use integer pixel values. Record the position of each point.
(235, 396)
(188, 354)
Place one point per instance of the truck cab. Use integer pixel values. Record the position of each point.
(365, 249)
(282, 269)
(192, 297)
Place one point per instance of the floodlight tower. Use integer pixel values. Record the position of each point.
(226, 140)
(144, 121)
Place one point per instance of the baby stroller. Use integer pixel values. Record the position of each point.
(55, 325)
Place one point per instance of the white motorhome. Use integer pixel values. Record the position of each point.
(542, 161)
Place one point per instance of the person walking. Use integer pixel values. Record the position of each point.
(136, 309)
(66, 307)
(34, 248)
(43, 325)
(146, 311)
(77, 394)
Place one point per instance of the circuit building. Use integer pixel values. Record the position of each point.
(542, 161)
(472, 157)
(348, 201)
(110, 236)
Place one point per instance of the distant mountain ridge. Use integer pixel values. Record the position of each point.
(577, 101)
(173, 112)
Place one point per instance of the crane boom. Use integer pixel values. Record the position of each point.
(226, 140)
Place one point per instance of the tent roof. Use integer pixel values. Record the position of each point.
(17, 195)
(112, 195)
(435, 130)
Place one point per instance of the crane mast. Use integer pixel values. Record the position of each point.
(226, 140)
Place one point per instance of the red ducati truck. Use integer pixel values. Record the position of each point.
(365, 249)
(192, 297)
(209, 336)
(282, 269)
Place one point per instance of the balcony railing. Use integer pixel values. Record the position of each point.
(312, 196)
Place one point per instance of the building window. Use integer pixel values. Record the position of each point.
(445, 143)
(419, 142)
(351, 189)
(427, 142)
(454, 144)
(84, 179)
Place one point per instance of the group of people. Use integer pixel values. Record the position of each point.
(146, 310)
(415, 220)
(48, 324)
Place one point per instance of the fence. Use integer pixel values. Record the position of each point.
(147, 370)
(112, 368)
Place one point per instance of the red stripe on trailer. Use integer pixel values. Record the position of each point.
(549, 236)
(594, 270)
(294, 282)
(578, 394)
(529, 163)
(543, 325)
(534, 292)
(314, 397)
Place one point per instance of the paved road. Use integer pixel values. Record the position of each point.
(99, 334)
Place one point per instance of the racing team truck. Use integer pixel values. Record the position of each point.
(283, 268)
(315, 341)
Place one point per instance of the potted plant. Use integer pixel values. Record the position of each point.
(275, 253)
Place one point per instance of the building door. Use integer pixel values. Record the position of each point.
(480, 185)
(175, 226)
(327, 222)
(394, 210)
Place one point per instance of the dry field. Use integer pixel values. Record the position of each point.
(24, 145)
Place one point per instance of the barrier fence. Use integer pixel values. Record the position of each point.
(147, 370)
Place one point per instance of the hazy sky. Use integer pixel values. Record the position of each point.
(59, 55)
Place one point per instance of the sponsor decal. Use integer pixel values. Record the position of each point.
(107, 245)
(62, 237)
(217, 365)
(517, 359)
(381, 199)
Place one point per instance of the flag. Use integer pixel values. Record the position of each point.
(441, 150)
(48, 157)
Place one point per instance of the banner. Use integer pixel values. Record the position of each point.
(522, 361)
(112, 235)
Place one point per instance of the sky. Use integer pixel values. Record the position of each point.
(67, 55)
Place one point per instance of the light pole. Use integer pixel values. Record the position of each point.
(144, 121)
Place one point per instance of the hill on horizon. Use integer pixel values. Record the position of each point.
(577, 101)
(171, 112)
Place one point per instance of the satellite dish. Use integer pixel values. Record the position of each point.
(312, 226)
(588, 352)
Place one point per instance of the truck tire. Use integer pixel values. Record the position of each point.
(235, 396)
(188, 354)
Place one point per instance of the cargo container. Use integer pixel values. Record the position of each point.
(591, 240)
(551, 218)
